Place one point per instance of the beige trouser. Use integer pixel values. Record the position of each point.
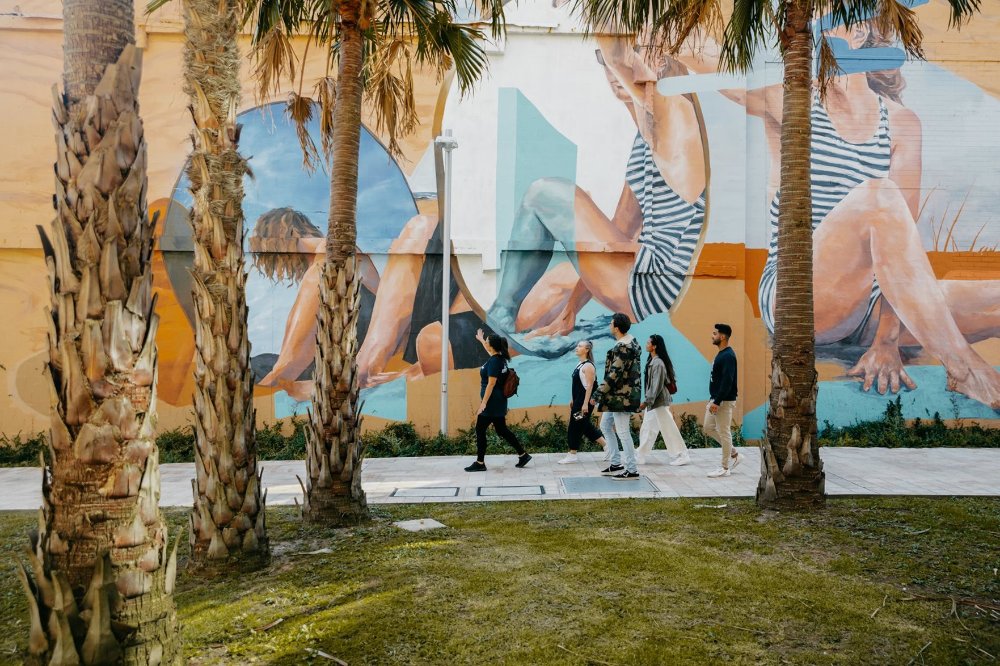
(659, 419)
(718, 427)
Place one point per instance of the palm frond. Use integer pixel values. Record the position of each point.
(895, 19)
(389, 90)
(828, 68)
(274, 58)
(326, 95)
(299, 110)
(681, 20)
(621, 17)
(746, 32)
(962, 11)
(153, 5)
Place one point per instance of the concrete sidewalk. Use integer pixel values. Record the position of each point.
(924, 472)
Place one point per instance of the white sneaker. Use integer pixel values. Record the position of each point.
(640, 460)
(722, 471)
(569, 459)
(735, 460)
(682, 459)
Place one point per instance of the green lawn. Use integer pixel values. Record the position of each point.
(602, 582)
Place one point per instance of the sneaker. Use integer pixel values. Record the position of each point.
(612, 470)
(682, 459)
(476, 467)
(626, 476)
(640, 460)
(735, 460)
(569, 459)
(722, 471)
(523, 460)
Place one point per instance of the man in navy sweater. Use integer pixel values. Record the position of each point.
(722, 388)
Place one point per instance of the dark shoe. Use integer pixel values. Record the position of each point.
(626, 476)
(613, 470)
(523, 460)
(476, 467)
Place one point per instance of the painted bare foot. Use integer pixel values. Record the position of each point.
(301, 390)
(882, 367)
(562, 325)
(980, 381)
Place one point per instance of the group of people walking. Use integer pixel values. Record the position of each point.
(617, 398)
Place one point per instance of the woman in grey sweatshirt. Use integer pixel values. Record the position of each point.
(656, 417)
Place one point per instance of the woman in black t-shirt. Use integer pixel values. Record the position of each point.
(493, 408)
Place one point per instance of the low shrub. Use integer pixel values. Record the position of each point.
(401, 440)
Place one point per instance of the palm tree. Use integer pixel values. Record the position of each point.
(791, 470)
(375, 44)
(102, 571)
(227, 522)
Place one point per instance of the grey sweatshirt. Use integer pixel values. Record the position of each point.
(657, 394)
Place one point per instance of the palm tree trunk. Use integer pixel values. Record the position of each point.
(102, 572)
(333, 492)
(227, 522)
(791, 470)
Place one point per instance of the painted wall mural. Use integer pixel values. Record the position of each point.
(593, 177)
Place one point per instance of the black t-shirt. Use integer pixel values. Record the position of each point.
(496, 366)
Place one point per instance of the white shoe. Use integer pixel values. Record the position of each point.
(722, 471)
(640, 460)
(682, 459)
(569, 459)
(735, 460)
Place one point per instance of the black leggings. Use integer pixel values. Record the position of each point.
(578, 428)
(500, 425)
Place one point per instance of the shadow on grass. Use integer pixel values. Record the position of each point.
(618, 582)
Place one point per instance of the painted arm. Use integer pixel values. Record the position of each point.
(669, 125)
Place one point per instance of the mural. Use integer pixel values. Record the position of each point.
(593, 176)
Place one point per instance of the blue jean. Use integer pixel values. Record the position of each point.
(616, 429)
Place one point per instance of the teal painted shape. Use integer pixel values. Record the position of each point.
(386, 400)
(843, 403)
(528, 148)
(754, 423)
(548, 381)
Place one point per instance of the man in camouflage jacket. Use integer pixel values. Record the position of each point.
(619, 396)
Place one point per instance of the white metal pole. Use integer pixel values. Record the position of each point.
(448, 144)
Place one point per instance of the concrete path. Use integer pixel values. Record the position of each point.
(849, 471)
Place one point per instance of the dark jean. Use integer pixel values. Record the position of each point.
(499, 424)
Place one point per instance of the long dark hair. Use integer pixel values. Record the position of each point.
(498, 343)
(661, 353)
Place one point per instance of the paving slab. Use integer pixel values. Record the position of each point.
(850, 472)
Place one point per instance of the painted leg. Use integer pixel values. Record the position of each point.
(872, 232)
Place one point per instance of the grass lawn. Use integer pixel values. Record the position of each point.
(601, 582)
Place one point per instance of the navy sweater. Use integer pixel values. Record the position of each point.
(723, 383)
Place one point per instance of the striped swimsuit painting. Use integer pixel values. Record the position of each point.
(837, 167)
(669, 236)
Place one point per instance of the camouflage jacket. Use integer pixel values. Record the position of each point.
(621, 389)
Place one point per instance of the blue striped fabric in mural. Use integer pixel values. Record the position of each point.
(670, 230)
(838, 166)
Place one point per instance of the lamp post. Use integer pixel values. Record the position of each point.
(445, 143)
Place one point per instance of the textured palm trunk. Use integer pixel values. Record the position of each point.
(101, 582)
(227, 522)
(333, 492)
(791, 469)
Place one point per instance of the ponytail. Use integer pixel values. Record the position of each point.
(498, 344)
